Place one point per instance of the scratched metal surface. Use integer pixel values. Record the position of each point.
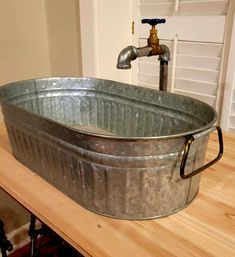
(113, 148)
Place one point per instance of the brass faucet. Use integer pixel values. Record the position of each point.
(153, 40)
(130, 53)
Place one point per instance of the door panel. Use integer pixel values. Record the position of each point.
(194, 32)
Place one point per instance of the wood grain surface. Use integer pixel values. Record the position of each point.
(205, 228)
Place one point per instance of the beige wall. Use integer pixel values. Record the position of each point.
(24, 54)
(11, 213)
(38, 38)
(64, 37)
(24, 49)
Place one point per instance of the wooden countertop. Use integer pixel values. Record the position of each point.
(205, 228)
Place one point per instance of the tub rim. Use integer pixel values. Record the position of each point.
(112, 137)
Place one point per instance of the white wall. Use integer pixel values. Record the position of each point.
(114, 33)
(105, 31)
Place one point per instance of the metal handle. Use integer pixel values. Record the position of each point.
(186, 151)
(153, 22)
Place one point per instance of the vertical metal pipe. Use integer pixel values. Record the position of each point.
(33, 233)
(163, 75)
(173, 64)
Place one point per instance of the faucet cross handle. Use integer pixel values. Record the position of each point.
(153, 22)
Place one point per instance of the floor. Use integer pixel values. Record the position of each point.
(48, 247)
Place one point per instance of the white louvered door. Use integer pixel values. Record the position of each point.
(194, 32)
(228, 107)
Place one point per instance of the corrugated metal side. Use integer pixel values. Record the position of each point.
(131, 187)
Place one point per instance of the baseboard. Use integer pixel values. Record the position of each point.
(18, 237)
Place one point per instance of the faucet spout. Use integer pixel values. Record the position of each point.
(125, 57)
(129, 54)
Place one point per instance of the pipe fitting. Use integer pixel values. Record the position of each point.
(129, 54)
(164, 53)
(125, 57)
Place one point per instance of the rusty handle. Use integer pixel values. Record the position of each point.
(188, 143)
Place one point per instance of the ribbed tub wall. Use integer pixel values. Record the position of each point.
(81, 106)
(147, 189)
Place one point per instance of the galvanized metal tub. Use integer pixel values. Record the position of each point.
(116, 149)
